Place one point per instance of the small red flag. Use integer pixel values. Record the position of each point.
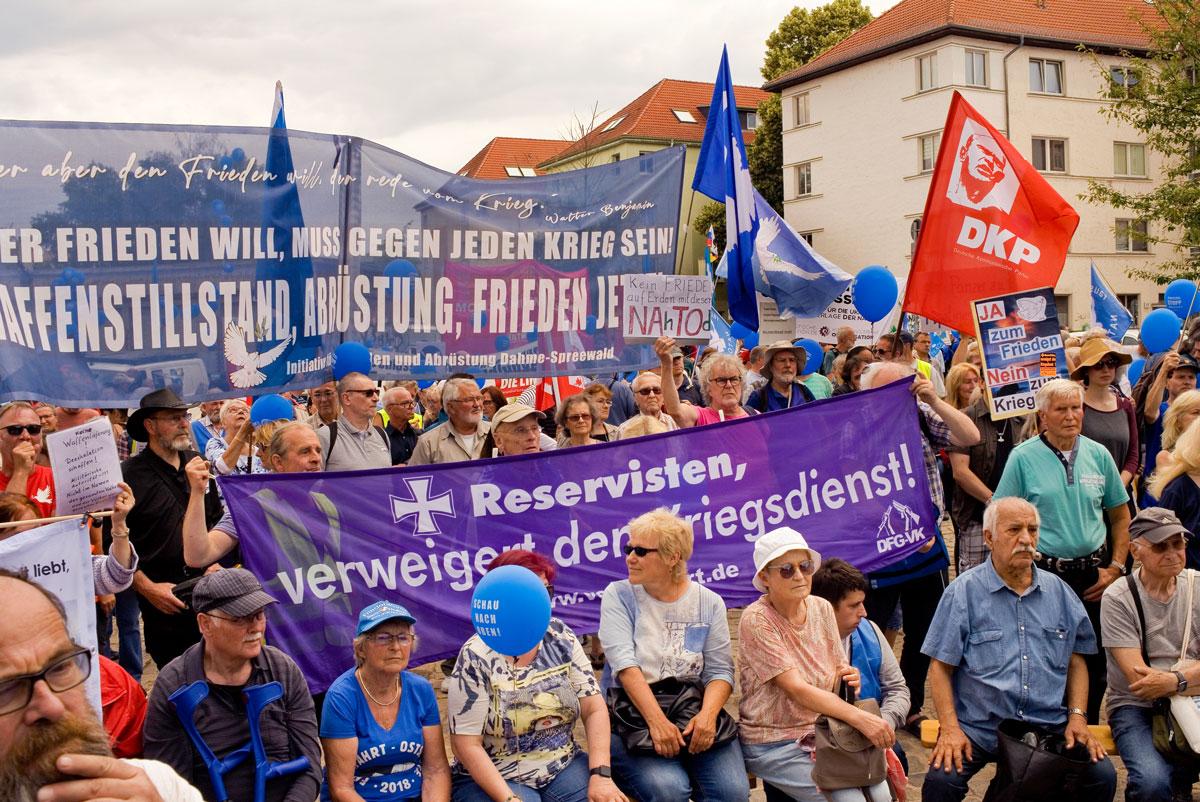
(993, 225)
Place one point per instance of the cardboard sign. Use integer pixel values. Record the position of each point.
(667, 306)
(1022, 348)
(86, 467)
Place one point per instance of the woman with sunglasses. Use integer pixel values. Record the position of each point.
(792, 663)
(575, 417)
(380, 726)
(1108, 416)
(660, 625)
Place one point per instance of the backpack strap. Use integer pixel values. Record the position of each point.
(1137, 602)
(333, 430)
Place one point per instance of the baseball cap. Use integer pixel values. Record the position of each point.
(1187, 362)
(513, 411)
(775, 544)
(381, 612)
(233, 591)
(1156, 524)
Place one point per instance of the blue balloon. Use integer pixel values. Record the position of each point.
(399, 268)
(510, 610)
(1160, 330)
(1181, 297)
(271, 407)
(815, 356)
(1135, 370)
(424, 384)
(874, 293)
(351, 358)
(750, 340)
(503, 343)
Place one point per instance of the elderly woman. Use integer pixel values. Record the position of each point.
(791, 665)
(231, 450)
(1179, 416)
(961, 383)
(1108, 416)
(660, 625)
(720, 381)
(512, 718)
(575, 418)
(602, 397)
(380, 726)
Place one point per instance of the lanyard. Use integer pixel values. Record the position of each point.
(1068, 463)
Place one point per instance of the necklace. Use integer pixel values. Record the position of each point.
(363, 685)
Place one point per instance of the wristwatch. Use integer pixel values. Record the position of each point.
(1183, 683)
(1120, 567)
(601, 771)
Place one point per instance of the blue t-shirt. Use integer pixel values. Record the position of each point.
(387, 765)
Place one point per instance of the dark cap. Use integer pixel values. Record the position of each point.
(1187, 362)
(1156, 524)
(233, 591)
(151, 402)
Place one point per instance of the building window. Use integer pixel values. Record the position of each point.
(804, 179)
(807, 236)
(520, 172)
(1133, 304)
(800, 108)
(683, 115)
(1050, 155)
(1131, 236)
(616, 157)
(613, 124)
(1129, 159)
(749, 119)
(1062, 304)
(926, 72)
(928, 149)
(1123, 81)
(1045, 76)
(976, 68)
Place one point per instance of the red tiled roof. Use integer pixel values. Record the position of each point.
(1106, 24)
(651, 115)
(511, 151)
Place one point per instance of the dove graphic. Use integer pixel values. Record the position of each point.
(769, 261)
(249, 373)
(1032, 308)
(42, 496)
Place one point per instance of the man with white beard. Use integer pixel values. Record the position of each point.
(782, 369)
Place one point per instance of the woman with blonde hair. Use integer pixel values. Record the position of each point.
(961, 384)
(1177, 487)
(1181, 413)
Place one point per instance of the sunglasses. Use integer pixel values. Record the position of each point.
(640, 551)
(577, 418)
(650, 391)
(372, 393)
(1173, 544)
(1108, 362)
(787, 570)
(34, 429)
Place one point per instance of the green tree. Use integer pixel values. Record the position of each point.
(1159, 96)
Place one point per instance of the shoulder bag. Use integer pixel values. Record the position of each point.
(844, 757)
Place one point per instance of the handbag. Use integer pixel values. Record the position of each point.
(679, 699)
(1175, 719)
(844, 757)
(1033, 764)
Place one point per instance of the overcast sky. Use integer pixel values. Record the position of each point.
(434, 80)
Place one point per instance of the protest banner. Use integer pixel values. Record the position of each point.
(327, 545)
(667, 306)
(58, 557)
(840, 313)
(992, 224)
(1022, 348)
(86, 467)
(225, 261)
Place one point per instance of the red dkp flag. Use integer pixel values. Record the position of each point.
(992, 225)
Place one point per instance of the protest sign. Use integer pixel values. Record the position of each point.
(840, 313)
(58, 557)
(327, 545)
(773, 327)
(225, 261)
(659, 305)
(1022, 348)
(86, 467)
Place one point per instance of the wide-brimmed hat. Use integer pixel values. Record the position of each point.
(514, 411)
(1156, 524)
(1092, 352)
(233, 591)
(152, 402)
(380, 613)
(784, 345)
(775, 544)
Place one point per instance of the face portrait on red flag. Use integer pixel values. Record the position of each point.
(992, 225)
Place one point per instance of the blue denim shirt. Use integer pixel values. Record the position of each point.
(1010, 652)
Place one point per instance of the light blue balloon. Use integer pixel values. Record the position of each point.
(269, 408)
(874, 293)
(1181, 297)
(1135, 370)
(1160, 330)
(351, 358)
(510, 610)
(815, 355)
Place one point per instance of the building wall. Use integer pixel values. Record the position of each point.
(863, 140)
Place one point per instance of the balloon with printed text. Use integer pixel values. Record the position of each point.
(510, 609)
(1180, 298)
(1160, 330)
(351, 358)
(874, 293)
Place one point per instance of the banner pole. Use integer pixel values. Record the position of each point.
(55, 519)
(687, 229)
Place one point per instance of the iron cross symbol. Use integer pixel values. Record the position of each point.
(423, 505)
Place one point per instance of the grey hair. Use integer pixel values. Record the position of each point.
(650, 374)
(344, 383)
(565, 408)
(867, 379)
(228, 405)
(453, 388)
(992, 511)
(711, 364)
(1055, 389)
(360, 642)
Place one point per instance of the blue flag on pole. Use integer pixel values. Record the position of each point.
(1107, 311)
(802, 282)
(722, 338)
(722, 174)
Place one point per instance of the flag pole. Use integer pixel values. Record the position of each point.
(687, 229)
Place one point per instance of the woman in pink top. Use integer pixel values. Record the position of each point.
(721, 380)
(791, 663)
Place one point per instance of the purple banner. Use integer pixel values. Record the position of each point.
(847, 472)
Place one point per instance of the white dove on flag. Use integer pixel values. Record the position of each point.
(248, 373)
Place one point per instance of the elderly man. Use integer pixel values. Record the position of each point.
(352, 443)
(516, 430)
(159, 482)
(461, 437)
(399, 405)
(231, 608)
(207, 425)
(20, 445)
(781, 368)
(325, 405)
(754, 368)
(1007, 642)
(52, 745)
(846, 338)
(49, 421)
(294, 448)
(1075, 485)
(648, 395)
(917, 581)
(1144, 618)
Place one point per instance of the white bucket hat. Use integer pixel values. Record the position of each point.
(775, 544)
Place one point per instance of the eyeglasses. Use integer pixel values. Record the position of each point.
(325, 394)
(526, 431)
(469, 401)
(242, 620)
(640, 551)
(726, 381)
(372, 393)
(580, 417)
(175, 419)
(1173, 544)
(787, 570)
(882, 351)
(386, 639)
(62, 675)
(604, 402)
(403, 404)
(650, 391)
(34, 429)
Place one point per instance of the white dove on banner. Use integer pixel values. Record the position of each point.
(249, 373)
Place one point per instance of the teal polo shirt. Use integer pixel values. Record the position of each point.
(1072, 512)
